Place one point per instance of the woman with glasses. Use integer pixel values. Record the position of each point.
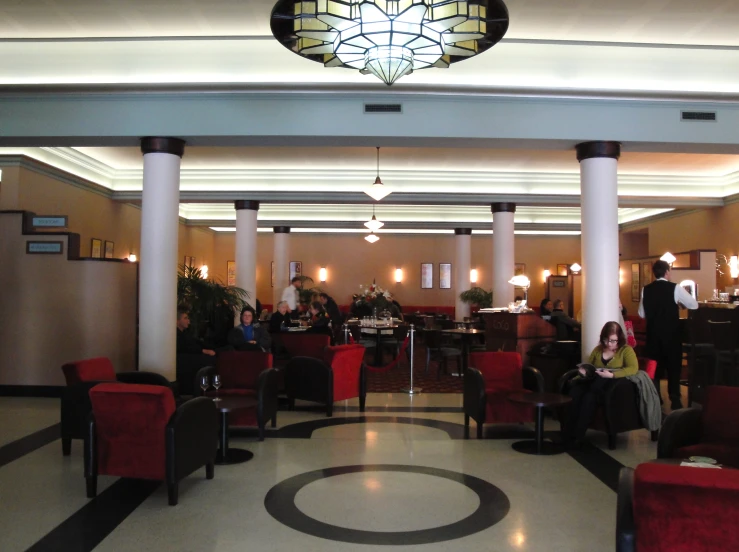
(612, 358)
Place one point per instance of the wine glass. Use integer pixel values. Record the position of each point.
(204, 383)
(216, 385)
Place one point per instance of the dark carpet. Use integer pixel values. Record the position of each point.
(397, 379)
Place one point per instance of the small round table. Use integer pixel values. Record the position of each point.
(466, 336)
(225, 454)
(540, 401)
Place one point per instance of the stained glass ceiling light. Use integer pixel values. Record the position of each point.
(389, 38)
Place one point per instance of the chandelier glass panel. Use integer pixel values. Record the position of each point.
(389, 38)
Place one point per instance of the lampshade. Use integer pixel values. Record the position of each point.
(575, 268)
(322, 273)
(371, 237)
(373, 224)
(378, 190)
(389, 38)
(132, 258)
(668, 258)
(520, 280)
(398, 275)
(473, 276)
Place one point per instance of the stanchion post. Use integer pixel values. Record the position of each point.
(412, 334)
(346, 334)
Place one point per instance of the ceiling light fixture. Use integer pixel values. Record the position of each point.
(371, 237)
(374, 224)
(388, 38)
(377, 191)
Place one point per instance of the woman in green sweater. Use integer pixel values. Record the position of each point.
(612, 358)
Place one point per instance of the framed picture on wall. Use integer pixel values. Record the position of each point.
(646, 273)
(427, 275)
(231, 273)
(562, 270)
(519, 269)
(635, 287)
(445, 275)
(96, 248)
(109, 245)
(272, 277)
(189, 261)
(296, 269)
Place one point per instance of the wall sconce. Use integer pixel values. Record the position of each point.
(575, 268)
(668, 257)
(204, 272)
(473, 276)
(734, 266)
(546, 274)
(398, 275)
(132, 258)
(620, 276)
(322, 274)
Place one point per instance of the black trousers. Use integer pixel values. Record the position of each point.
(587, 396)
(669, 357)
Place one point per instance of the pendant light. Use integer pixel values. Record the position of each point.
(371, 237)
(377, 190)
(374, 224)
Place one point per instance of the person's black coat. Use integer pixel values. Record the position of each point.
(333, 311)
(277, 320)
(261, 336)
(187, 344)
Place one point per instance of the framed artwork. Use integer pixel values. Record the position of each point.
(635, 287)
(427, 275)
(231, 273)
(519, 269)
(96, 248)
(296, 269)
(562, 270)
(109, 245)
(445, 276)
(646, 273)
(272, 278)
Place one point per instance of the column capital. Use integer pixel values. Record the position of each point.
(590, 150)
(503, 207)
(463, 231)
(246, 204)
(158, 144)
(281, 229)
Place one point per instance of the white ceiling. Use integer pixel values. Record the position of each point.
(649, 21)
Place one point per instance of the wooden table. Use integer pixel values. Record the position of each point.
(466, 336)
(540, 401)
(225, 405)
(377, 331)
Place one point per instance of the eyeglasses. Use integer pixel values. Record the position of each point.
(612, 341)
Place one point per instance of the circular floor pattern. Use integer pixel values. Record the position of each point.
(280, 503)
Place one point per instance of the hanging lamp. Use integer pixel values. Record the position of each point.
(374, 224)
(377, 191)
(371, 237)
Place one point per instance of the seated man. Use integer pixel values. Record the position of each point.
(191, 356)
(565, 324)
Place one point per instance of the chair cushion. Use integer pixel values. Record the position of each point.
(346, 365)
(500, 410)
(501, 371)
(724, 454)
(719, 415)
(130, 422)
(91, 369)
(680, 509)
(305, 344)
(241, 369)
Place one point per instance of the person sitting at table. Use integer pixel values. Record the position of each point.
(249, 335)
(359, 309)
(545, 307)
(331, 308)
(281, 319)
(191, 355)
(612, 359)
(564, 323)
(320, 320)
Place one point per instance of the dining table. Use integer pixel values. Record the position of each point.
(466, 336)
(378, 331)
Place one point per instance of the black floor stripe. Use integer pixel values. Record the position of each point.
(87, 527)
(598, 462)
(435, 409)
(25, 445)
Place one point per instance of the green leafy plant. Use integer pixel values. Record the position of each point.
(477, 296)
(211, 304)
(307, 294)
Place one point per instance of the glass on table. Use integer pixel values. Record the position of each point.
(217, 385)
(204, 383)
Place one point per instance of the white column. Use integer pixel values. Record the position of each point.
(246, 248)
(160, 201)
(504, 258)
(282, 260)
(462, 265)
(599, 241)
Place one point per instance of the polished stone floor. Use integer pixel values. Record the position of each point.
(399, 473)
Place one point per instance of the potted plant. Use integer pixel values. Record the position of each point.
(477, 297)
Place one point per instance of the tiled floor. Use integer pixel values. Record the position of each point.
(548, 497)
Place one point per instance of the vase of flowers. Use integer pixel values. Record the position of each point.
(372, 300)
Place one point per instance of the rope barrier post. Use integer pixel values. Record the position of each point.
(412, 390)
(346, 334)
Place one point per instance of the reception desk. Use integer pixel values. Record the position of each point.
(506, 331)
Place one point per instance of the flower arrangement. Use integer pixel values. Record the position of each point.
(373, 297)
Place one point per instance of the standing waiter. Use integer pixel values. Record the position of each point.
(660, 306)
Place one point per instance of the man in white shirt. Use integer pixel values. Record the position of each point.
(291, 295)
(660, 306)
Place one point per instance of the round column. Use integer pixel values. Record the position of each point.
(504, 258)
(160, 201)
(282, 261)
(599, 241)
(462, 265)
(246, 248)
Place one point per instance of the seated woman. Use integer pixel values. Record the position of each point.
(612, 358)
(280, 320)
(545, 307)
(249, 336)
(320, 321)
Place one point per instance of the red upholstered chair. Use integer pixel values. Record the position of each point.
(490, 378)
(677, 509)
(302, 344)
(339, 376)
(81, 376)
(247, 374)
(135, 431)
(712, 431)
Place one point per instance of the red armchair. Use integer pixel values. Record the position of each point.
(677, 509)
(490, 378)
(247, 374)
(712, 431)
(83, 375)
(302, 344)
(339, 376)
(135, 431)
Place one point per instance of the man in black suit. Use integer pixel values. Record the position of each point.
(331, 308)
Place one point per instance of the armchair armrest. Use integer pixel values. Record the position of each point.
(680, 429)
(625, 527)
(191, 438)
(75, 407)
(267, 391)
(145, 378)
(565, 379)
(474, 398)
(533, 380)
